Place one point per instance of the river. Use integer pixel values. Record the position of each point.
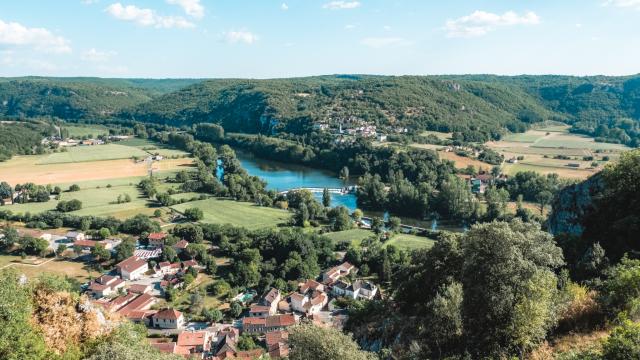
(282, 176)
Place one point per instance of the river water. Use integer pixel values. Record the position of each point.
(282, 176)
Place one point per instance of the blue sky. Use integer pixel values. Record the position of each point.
(285, 38)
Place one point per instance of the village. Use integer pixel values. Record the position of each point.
(135, 288)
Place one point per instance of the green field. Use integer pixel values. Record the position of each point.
(92, 153)
(219, 211)
(410, 242)
(96, 201)
(353, 236)
(77, 131)
(75, 270)
(153, 147)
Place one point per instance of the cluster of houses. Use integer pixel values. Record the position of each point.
(132, 291)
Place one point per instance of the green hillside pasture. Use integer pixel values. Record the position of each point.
(575, 141)
(92, 153)
(248, 215)
(76, 131)
(410, 242)
(353, 236)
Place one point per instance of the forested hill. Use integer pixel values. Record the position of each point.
(79, 98)
(480, 110)
(479, 107)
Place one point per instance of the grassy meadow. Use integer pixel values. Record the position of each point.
(220, 211)
(92, 153)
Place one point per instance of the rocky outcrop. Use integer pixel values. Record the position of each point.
(572, 204)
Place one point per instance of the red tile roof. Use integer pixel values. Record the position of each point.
(157, 236)
(253, 321)
(196, 338)
(182, 244)
(280, 320)
(274, 337)
(169, 347)
(142, 302)
(259, 309)
(85, 243)
(168, 314)
(131, 264)
(139, 288)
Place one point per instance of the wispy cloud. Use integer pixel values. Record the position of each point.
(635, 4)
(350, 27)
(242, 36)
(480, 23)
(284, 6)
(192, 8)
(340, 5)
(381, 42)
(94, 55)
(146, 17)
(40, 39)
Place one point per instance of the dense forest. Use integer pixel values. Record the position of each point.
(22, 138)
(477, 107)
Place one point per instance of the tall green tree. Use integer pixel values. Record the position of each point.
(310, 342)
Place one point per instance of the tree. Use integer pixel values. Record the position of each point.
(18, 338)
(157, 213)
(344, 173)
(496, 203)
(509, 286)
(61, 249)
(5, 191)
(100, 254)
(246, 342)
(125, 249)
(34, 246)
(394, 223)
(310, 342)
(212, 315)
(621, 288)
(235, 309)
(455, 200)
(623, 343)
(194, 214)
(340, 219)
(67, 206)
(104, 233)
(544, 198)
(74, 187)
(127, 342)
(169, 254)
(326, 198)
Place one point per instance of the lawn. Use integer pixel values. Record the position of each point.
(248, 215)
(410, 242)
(153, 147)
(353, 236)
(96, 201)
(78, 154)
(76, 270)
(77, 131)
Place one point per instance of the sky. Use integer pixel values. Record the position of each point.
(288, 38)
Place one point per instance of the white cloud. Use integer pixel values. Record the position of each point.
(578, 26)
(381, 42)
(13, 33)
(241, 36)
(94, 55)
(284, 6)
(349, 27)
(89, 2)
(339, 5)
(387, 28)
(146, 17)
(192, 8)
(623, 3)
(480, 23)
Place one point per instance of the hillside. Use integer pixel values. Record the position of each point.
(78, 98)
(479, 110)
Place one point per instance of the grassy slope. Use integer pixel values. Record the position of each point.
(90, 153)
(244, 214)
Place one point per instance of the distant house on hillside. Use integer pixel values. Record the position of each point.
(157, 239)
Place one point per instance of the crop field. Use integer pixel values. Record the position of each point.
(539, 147)
(353, 236)
(153, 147)
(219, 211)
(78, 154)
(462, 162)
(21, 169)
(410, 242)
(79, 131)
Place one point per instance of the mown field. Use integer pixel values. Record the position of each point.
(410, 242)
(78, 154)
(152, 147)
(80, 131)
(353, 236)
(220, 211)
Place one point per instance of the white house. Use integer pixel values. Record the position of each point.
(271, 300)
(358, 290)
(132, 268)
(168, 319)
(75, 236)
(105, 285)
